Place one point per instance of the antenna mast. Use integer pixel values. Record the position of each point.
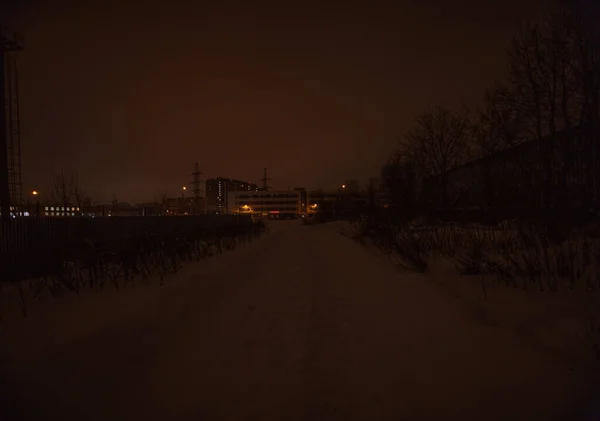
(265, 181)
(197, 191)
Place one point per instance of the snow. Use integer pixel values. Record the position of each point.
(302, 324)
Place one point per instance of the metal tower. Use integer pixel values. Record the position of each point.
(196, 181)
(197, 191)
(11, 195)
(265, 181)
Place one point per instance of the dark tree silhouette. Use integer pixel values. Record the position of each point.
(63, 187)
(498, 124)
(438, 142)
(67, 191)
(400, 179)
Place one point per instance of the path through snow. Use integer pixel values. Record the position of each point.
(303, 324)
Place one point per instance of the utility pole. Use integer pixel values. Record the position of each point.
(114, 204)
(4, 185)
(265, 180)
(10, 145)
(197, 189)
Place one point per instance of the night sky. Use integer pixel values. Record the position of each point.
(132, 96)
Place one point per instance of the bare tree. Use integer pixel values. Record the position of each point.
(437, 143)
(162, 200)
(67, 191)
(558, 58)
(63, 187)
(79, 194)
(498, 125)
(527, 89)
(554, 74)
(553, 84)
(580, 19)
(399, 177)
(554, 69)
(542, 90)
(372, 188)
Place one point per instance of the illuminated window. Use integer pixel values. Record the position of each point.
(77, 209)
(72, 209)
(52, 208)
(46, 213)
(46, 208)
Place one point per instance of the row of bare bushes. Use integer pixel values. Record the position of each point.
(525, 255)
(96, 265)
(510, 251)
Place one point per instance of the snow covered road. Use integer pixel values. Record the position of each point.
(303, 324)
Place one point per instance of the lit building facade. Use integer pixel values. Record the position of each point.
(275, 204)
(217, 190)
(286, 204)
(61, 210)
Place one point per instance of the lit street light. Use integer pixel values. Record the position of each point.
(184, 206)
(343, 186)
(37, 203)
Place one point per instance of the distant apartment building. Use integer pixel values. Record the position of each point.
(217, 190)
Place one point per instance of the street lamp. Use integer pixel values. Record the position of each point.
(35, 193)
(343, 186)
(184, 208)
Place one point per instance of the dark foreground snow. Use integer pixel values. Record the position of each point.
(302, 324)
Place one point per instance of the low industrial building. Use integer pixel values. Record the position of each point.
(293, 204)
(275, 204)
